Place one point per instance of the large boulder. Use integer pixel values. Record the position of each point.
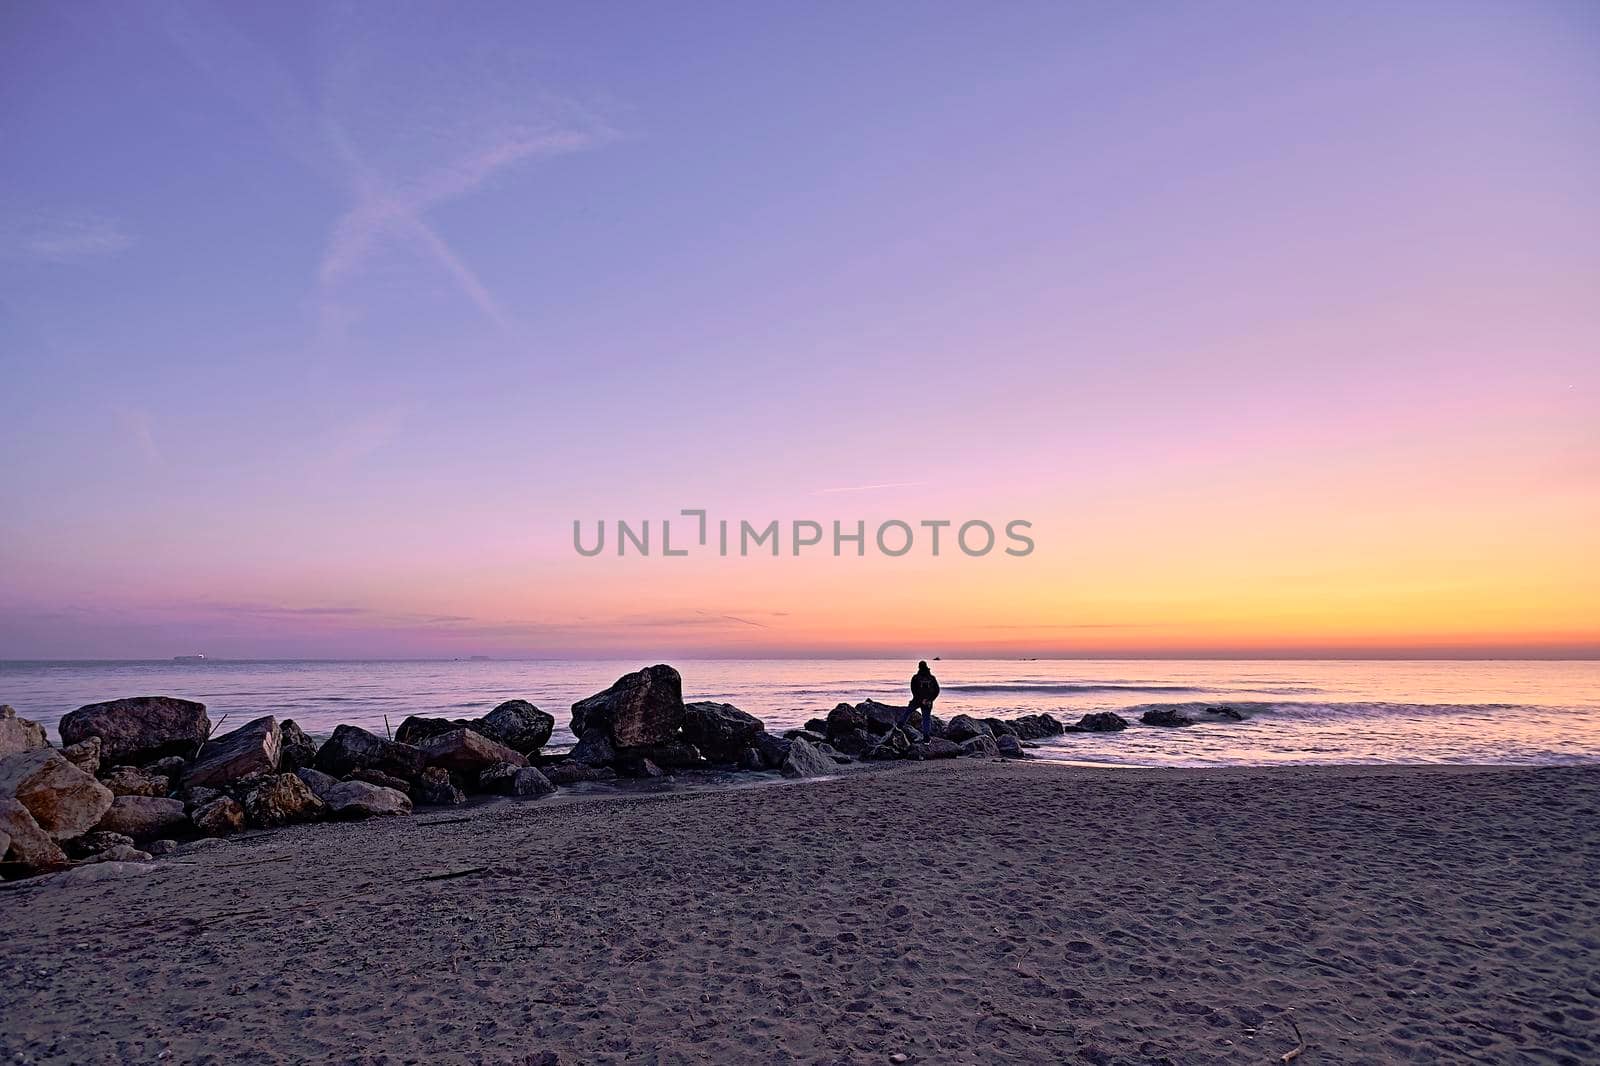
(1165, 716)
(855, 742)
(218, 818)
(358, 799)
(963, 728)
(253, 748)
(498, 778)
(669, 755)
(895, 744)
(939, 748)
(468, 751)
(140, 728)
(85, 755)
(982, 746)
(353, 748)
(844, 719)
(19, 734)
(774, 750)
(805, 759)
(143, 817)
(519, 725)
(530, 782)
(318, 782)
(1102, 722)
(594, 748)
(720, 730)
(25, 843)
(132, 781)
(881, 717)
(1010, 747)
(436, 789)
(295, 749)
(1036, 726)
(417, 730)
(644, 707)
(63, 800)
(281, 799)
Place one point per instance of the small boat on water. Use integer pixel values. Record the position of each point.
(188, 658)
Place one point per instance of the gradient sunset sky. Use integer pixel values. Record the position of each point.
(321, 323)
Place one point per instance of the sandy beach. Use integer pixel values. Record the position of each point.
(960, 912)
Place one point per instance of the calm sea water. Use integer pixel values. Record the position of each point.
(1300, 711)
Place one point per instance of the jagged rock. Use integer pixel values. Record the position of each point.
(281, 799)
(640, 768)
(295, 749)
(357, 799)
(468, 751)
(528, 781)
(1226, 712)
(882, 717)
(62, 799)
(132, 781)
(139, 729)
(594, 748)
(999, 728)
(819, 725)
(143, 817)
(750, 759)
(436, 789)
(94, 843)
(353, 748)
(519, 725)
(1102, 722)
(1036, 727)
(219, 818)
(939, 748)
(720, 730)
(85, 755)
(383, 780)
(498, 778)
(855, 742)
(805, 734)
(844, 719)
(774, 750)
(173, 767)
(160, 848)
(963, 728)
(19, 734)
(670, 755)
(120, 853)
(982, 746)
(417, 730)
(568, 772)
(199, 797)
(805, 760)
(318, 782)
(253, 748)
(1010, 747)
(644, 707)
(28, 845)
(1166, 716)
(894, 744)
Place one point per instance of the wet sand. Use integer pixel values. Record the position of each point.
(962, 912)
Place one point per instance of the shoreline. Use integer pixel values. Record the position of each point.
(963, 911)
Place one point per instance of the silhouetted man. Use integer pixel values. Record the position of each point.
(924, 690)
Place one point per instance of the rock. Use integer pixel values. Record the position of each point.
(120, 853)
(519, 725)
(640, 768)
(1102, 722)
(750, 759)
(594, 748)
(281, 799)
(85, 755)
(352, 748)
(645, 707)
(572, 773)
(143, 817)
(998, 729)
(1166, 716)
(19, 734)
(1010, 747)
(1036, 727)
(172, 768)
(62, 799)
(855, 742)
(28, 845)
(160, 848)
(468, 751)
(882, 717)
(805, 760)
(94, 843)
(199, 797)
(939, 748)
(435, 788)
(981, 746)
(819, 725)
(139, 729)
(497, 779)
(1226, 712)
(295, 749)
(720, 730)
(132, 781)
(530, 782)
(358, 799)
(773, 749)
(219, 818)
(670, 755)
(318, 782)
(963, 728)
(253, 748)
(378, 777)
(844, 719)
(805, 734)
(894, 744)
(417, 730)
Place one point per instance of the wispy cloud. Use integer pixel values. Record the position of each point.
(871, 488)
(68, 238)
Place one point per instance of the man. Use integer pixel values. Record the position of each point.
(924, 690)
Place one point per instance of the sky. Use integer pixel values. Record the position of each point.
(321, 325)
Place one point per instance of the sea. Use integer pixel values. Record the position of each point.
(1295, 711)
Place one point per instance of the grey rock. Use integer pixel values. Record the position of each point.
(773, 749)
(19, 734)
(132, 781)
(1166, 716)
(85, 755)
(173, 767)
(253, 748)
(358, 799)
(644, 707)
(1229, 713)
(219, 818)
(199, 797)
(964, 727)
(436, 789)
(468, 751)
(1010, 747)
(519, 725)
(594, 748)
(640, 767)
(530, 782)
(140, 728)
(1102, 722)
(295, 748)
(998, 728)
(939, 748)
(318, 782)
(568, 772)
(1036, 726)
(417, 730)
(161, 848)
(750, 759)
(94, 843)
(378, 777)
(63, 800)
(982, 746)
(805, 734)
(143, 817)
(805, 760)
(281, 799)
(669, 755)
(844, 719)
(720, 730)
(120, 853)
(498, 778)
(352, 748)
(28, 845)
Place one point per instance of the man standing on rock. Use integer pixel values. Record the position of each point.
(924, 690)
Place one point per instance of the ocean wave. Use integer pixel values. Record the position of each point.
(1064, 688)
(1312, 711)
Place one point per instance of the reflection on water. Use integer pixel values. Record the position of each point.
(1299, 711)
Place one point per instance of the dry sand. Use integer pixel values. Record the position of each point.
(952, 913)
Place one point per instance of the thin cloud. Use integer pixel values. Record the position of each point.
(70, 239)
(871, 488)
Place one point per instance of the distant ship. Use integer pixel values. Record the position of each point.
(188, 658)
